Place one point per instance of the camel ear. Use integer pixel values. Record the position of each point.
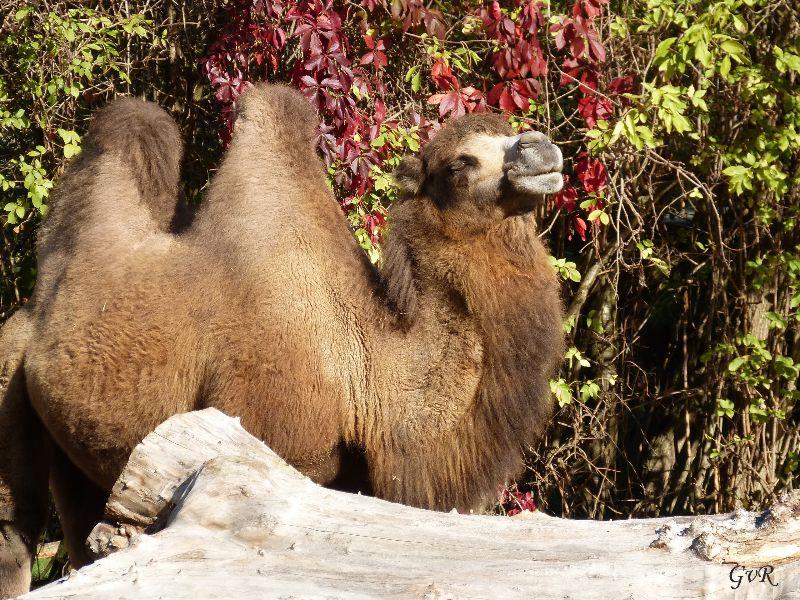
(409, 176)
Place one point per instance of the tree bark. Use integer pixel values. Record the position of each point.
(204, 510)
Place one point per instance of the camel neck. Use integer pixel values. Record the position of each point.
(483, 333)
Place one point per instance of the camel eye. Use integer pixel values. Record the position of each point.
(461, 163)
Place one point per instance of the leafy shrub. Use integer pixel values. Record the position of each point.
(49, 60)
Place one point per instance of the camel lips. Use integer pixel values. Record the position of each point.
(541, 183)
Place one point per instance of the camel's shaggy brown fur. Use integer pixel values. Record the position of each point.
(434, 370)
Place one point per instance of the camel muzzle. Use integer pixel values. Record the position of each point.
(533, 164)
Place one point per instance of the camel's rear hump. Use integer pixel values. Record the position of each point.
(148, 141)
(122, 188)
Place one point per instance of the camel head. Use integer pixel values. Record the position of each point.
(477, 163)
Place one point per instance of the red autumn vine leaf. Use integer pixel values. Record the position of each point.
(459, 102)
(475, 99)
(515, 502)
(376, 55)
(594, 108)
(579, 34)
(591, 8)
(519, 60)
(531, 17)
(621, 85)
(442, 75)
(497, 25)
(580, 72)
(567, 198)
(379, 112)
(512, 96)
(412, 13)
(524, 59)
(591, 172)
(373, 224)
(425, 128)
(449, 103)
(533, 58)
(580, 227)
(505, 63)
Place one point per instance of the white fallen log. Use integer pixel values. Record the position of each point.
(204, 510)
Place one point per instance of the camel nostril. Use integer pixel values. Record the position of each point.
(531, 138)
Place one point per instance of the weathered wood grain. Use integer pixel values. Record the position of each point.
(204, 510)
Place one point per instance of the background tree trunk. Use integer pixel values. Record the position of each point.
(203, 509)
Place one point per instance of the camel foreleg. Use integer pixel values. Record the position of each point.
(24, 462)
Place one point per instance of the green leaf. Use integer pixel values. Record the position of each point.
(736, 363)
(617, 132)
(702, 54)
(593, 322)
(416, 82)
(736, 171)
(589, 390)
(786, 60)
(71, 150)
(663, 47)
(776, 321)
(758, 411)
(569, 323)
(724, 408)
(414, 77)
(736, 50)
(560, 389)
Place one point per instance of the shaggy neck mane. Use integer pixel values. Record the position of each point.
(398, 278)
(501, 285)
